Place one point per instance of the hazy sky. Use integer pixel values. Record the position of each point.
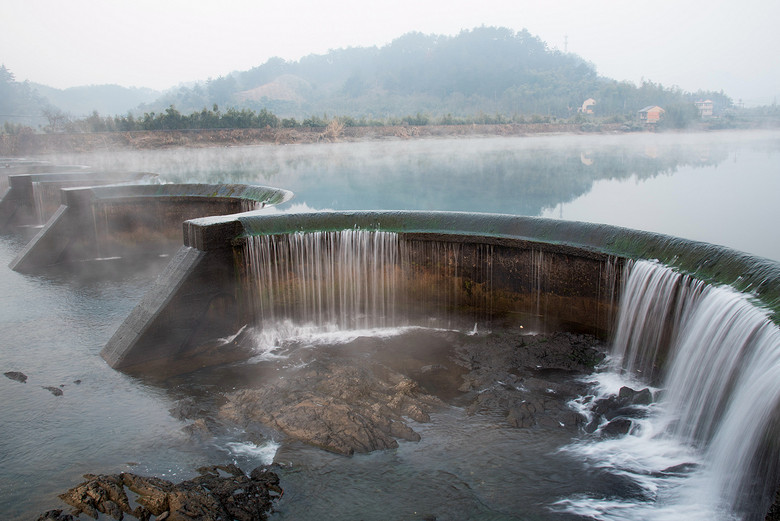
(730, 45)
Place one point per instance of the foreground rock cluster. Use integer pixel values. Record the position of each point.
(219, 493)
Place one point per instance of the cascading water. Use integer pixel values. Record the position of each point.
(346, 279)
(47, 199)
(363, 280)
(706, 449)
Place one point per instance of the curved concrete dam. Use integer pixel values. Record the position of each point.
(697, 320)
(545, 274)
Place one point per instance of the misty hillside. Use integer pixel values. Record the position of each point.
(485, 70)
(105, 99)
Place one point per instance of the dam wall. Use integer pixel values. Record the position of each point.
(539, 273)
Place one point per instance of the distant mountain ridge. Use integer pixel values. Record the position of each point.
(490, 70)
(486, 70)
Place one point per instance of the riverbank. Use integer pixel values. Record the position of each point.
(30, 144)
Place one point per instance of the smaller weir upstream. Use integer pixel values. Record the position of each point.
(708, 448)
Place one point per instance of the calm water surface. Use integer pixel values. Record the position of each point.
(721, 188)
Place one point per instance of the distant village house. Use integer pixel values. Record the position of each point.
(650, 114)
(705, 108)
(587, 106)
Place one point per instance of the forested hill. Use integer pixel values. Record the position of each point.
(485, 70)
(484, 74)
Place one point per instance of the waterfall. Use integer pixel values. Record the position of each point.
(346, 279)
(359, 279)
(46, 198)
(716, 358)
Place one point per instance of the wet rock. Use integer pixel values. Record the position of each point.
(617, 427)
(530, 378)
(563, 351)
(55, 515)
(340, 408)
(17, 376)
(632, 397)
(364, 395)
(677, 470)
(218, 493)
(628, 402)
(56, 391)
(618, 409)
(188, 408)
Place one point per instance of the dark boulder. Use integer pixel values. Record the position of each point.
(618, 411)
(617, 427)
(17, 376)
(56, 391)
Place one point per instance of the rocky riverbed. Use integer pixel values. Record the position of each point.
(358, 395)
(365, 394)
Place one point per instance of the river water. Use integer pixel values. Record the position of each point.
(719, 188)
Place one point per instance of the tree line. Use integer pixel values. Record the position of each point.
(233, 118)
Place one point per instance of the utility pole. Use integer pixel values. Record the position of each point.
(565, 43)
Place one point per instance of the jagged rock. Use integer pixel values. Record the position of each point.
(361, 396)
(16, 375)
(56, 391)
(624, 406)
(632, 397)
(528, 377)
(188, 408)
(340, 408)
(55, 515)
(628, 402)
(209, 497)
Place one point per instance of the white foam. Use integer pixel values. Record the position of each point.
(264, 453)
(275, 337)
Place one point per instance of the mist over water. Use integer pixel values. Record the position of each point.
(715, 187)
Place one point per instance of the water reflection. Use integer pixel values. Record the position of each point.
(715, 187)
